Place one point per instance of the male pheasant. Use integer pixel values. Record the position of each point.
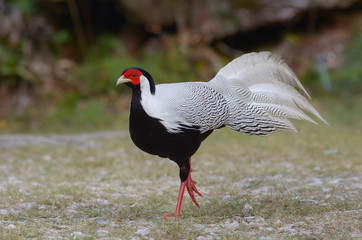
(254, 94)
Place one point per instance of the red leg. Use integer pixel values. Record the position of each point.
(179, 201)
(190, 186)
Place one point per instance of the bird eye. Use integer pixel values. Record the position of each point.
(134, 75)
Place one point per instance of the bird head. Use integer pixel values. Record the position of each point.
(137, 79)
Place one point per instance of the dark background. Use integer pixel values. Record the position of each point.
(59, 59)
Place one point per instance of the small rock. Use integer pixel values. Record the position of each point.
(102, 232)
(330, 151)
(269, 229)
(10, 226)
(102, 222)
(76, 234)
(143, 231)
(313, 181)
(3, 212)
(335, 181)
(308, 201)
(47, 158)
(267, 238)
(103, 201)
(247, 207)
(233, 224)
(227, 198)
(42, 207)
(134, 205)
(253, 220)
(205, 237)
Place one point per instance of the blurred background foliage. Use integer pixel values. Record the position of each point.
(59, 59)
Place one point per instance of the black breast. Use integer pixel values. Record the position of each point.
(151, 136)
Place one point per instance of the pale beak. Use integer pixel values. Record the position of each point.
(122, 79)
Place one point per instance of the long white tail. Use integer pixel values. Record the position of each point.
(262, 94)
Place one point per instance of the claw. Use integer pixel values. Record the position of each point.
(170, 215)
(195, 189)
(192, 196)
(190, 186)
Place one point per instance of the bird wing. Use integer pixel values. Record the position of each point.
(261, 93)
(191, 105)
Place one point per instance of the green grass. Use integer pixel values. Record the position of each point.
(285, 186)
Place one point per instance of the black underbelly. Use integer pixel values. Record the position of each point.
(155, 139)
(151, 136)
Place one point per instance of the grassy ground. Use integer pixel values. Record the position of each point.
(99, 186)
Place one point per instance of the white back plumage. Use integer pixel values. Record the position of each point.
(186, 105)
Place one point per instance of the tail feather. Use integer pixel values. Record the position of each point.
(286, 97)
(263, 67)
(263, 94)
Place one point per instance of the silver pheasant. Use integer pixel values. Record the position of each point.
(253, 94)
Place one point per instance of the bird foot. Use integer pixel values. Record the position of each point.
(171, 215)
(191, 188)
(189, 184)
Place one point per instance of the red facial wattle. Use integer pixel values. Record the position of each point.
(134, 75)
